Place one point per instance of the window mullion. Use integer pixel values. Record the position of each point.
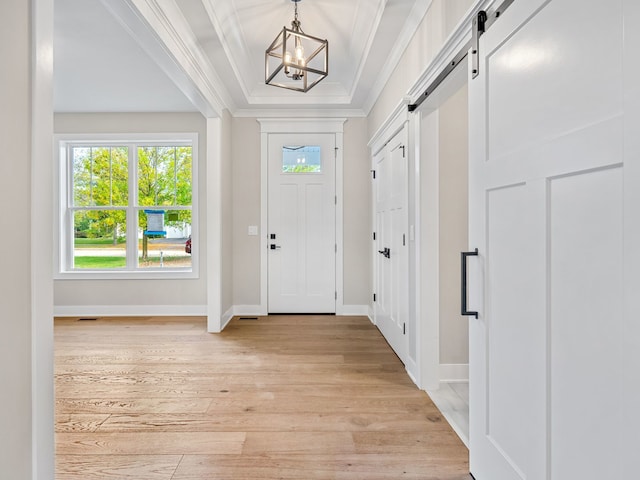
(68, 213)
(132, 211)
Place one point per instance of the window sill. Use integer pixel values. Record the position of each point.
(158, 274)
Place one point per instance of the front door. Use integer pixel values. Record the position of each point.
(301, 218)
(554, 178)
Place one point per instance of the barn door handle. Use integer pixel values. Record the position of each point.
(463, 283)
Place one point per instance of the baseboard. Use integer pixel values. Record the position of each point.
(370, 314)
(354, 310)
(412, 371)
(454, 372)
(226, 318)
(248, 310)
(130, 310)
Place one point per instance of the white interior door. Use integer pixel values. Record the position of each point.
(301, 219)
(392, 267)
(551, 361)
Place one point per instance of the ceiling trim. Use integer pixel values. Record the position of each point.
(171, 35)
(228, 49)
(416, 17)
(134, 23)
(309, 125)
(302, 113)
(363, 59)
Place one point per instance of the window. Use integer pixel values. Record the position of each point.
(301, 159)
(127, 206)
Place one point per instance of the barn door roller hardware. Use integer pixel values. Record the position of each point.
(481, 23)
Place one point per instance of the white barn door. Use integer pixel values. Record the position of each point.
(554, 212)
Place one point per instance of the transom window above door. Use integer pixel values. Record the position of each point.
(301, 159)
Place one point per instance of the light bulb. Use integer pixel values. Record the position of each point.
(287, 62)
(299, 53)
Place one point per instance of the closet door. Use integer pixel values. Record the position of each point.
(392, 257)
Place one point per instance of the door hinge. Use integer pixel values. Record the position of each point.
(374, 297)
(336, 297)
(374, 235)
(335, 200)
(404, 328)
(402, 147)
(335, 247)
(373, 172)
(404, 239)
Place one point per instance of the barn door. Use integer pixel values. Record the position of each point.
(551, 360)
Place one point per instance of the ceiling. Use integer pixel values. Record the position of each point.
(207, 55)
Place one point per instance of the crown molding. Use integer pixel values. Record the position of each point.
(162, 31)
(418, 14)
(306, 113)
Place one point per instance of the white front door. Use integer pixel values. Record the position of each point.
(392, 268)
(554, 158)
(301, 219)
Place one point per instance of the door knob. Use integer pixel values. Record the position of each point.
(274, 246)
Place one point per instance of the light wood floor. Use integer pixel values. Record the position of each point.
(281, 397)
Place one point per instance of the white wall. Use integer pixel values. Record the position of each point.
(145, 293)
(245, 139)
(357, 216)
(15, 281)
(453, 218)
(226, 287)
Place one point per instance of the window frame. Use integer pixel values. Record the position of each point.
(64, 245)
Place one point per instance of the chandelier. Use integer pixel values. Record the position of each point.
(295, 60)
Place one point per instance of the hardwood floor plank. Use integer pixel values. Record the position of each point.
(297, 443)
(79, 422)
(116, 467)
(284, 397)
(150, 443)
(274, 422)
(138, 405)
(320, 467)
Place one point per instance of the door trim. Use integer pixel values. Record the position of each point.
(295, 126)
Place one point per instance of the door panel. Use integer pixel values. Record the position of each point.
(586, 218)
(301, 215)
(514, 335)
(546, 209)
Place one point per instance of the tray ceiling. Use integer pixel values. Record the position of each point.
(187, 55)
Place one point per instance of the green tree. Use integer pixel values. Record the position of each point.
(100, 179)
(164, 179)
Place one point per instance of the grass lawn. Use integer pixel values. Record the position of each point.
(121, 262)
(99, 262)
(96, 242)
